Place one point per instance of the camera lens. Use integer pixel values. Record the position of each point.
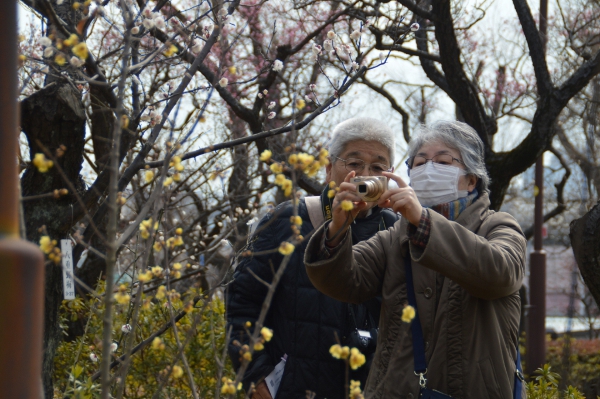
(362, 188)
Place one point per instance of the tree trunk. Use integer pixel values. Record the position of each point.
(51, 118)
(585, 240)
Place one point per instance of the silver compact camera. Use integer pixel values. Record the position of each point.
(370, 188)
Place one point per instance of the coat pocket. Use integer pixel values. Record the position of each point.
(489, 381)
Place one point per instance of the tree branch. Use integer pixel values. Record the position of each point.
(536, 48)
(386, 94)
(412, 6)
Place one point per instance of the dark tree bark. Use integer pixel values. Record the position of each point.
(585, 239)
(51, 118)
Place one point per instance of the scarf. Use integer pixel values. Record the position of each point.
(451, 210)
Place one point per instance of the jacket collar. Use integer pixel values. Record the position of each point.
(471, 218)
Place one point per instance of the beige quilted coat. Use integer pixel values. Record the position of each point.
(466, 283)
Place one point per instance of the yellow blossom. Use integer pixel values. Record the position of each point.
(347, 205)
(157, 271)
(313, 169)
(146, 223)
(76, 5)
(157, 246)
(408, 313)
(177, 176)
(178, 241)
(160, 293)
(266, 155)
(331, 184)
(176, 163)
(177, 266)
(179, 231)
(145, 234)
(158, 344)
(336, 351)
(306, 159)
(168, 181)
(228, 388)
(122, 297)
(276, 168)
(232, 70)
(177, 372)
(171, 50)
(300, 103)
(144, 277)
(41, 163)
(286, 248)
(46, 244)
(297, 220)
(293, 159)
(357, 359)
(287, 191)
(266, 333)
(149, 176)
(330, 193)
(72, 40)
(247, 356)
(80, 51)
(258, 346)
(248, 324)
(279, 179)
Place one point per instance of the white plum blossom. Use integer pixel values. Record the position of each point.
(113, 347)
(147, 13)
(277, 65)
(135, 30)
(316, 49)
(148, 23)
(415, 27)
(223, 82)
(354, 66)
(328, 45)
(222, 12)
(260, 95)
(197, 46)
(331, 35)
(159, 22)
(312, 86)
(308, 98)
(355, 35)
(48, 51)
(126, 328)
(76, 62)
(271, 115)
(93, 357)
(381, 57)
(271, 105)
(46, 41)
(266, 92)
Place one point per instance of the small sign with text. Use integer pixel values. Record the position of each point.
(67, 265)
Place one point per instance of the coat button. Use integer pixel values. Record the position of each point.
(428, 292)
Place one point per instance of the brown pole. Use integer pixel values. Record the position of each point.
(536, 331)
(21, 263)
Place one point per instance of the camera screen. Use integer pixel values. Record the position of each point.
(362, 188)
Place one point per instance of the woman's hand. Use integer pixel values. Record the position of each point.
(402, 200)
(341, 218)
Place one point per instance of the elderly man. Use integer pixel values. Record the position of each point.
(305, 322)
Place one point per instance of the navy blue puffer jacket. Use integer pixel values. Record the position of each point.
(304, 321)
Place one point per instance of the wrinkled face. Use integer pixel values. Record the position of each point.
(375, 156)
(438, 151)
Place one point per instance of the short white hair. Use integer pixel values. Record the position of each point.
(366, 129)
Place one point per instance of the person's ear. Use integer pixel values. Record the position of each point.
(328, 171)
(472, 182)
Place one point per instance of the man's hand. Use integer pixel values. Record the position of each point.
(341, 218)
(402, 199)
(261, 391)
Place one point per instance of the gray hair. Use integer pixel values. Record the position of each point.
(367, 129)
(461, 137)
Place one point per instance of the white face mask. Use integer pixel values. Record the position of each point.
(436, 184)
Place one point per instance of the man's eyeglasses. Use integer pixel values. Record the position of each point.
(358, 165)
(442, 159)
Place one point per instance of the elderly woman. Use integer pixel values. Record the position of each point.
(462, 262)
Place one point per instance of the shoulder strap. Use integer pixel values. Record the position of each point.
(415, 326)
(315, 212)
